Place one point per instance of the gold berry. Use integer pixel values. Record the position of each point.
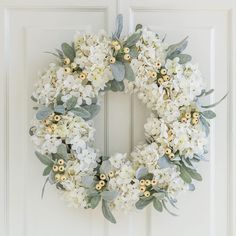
(142, 181)
(160, 81)
(66, 61)
(55, 168)
(195, 115)
(63, 178)
(60, 162)
(102, 183)
(112, 60)
(111, 174)
(53, 127)
(154, 182)
(187, 115)
(102, 176)
(158, 65)
(147, 182)
(126, 50)
(183, 119)
(194, 121)
(163, 71)
(61, 168)
(57, 177)
(114, 43)
(98, 187)
(57, 117)
(142, 188)
(127, 57)
(166, 78)
(168, 151)
(117, 47)
(82, 76)
(67, 70)
(147, 194)
(171, 155)
(153, 74)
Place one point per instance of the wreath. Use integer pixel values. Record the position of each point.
(67, 96)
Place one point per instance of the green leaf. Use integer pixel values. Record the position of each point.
(141, 172)
(185, 175)
(205, 124)
(94, 201)
(47, 170)
(59, 109)
(87, 181)
(93, 110)
(209, 92)
(60, 53)
(118, 70)
(116, 86)
(159, 195)
(43, 113)
(105, 167)
(164, 162)
(109, 195)
(175, 49)
(107, 212)
(33, 98)
(59, 101)
(141, 203)
(209, 114)
(81, 112)
(44, 185)
(157, 205)
(138, 27)
(192, 173)
(132, 39)
(129, 74)
(164, 205)
(70, 104)
(215, 104)
(119, 26)
(133, 52)
(62, 151)
(44, 159)
(183, 58)
(68, 51)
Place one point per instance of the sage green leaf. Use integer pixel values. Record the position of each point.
(59, 109)
(119, 26)
(209, 114)
(192, 173)
(43, 113)
(93, 110)
(107, 212)
(87, 181)
(33, 98)
(157, 205)
(141, 203)
(141, 172)
(138, 27)
(81, 112)
(184, 175)
(51, 177)
(215, 104)
(132, 39)
(60, 53)
(133, 52)
(175, 49)
(109, 196)
(129, 74)
(164, 205)
(47, 170)
(94, 201)
(164, 162)
(68, 51)
(44, 185)
(70, 104)
(62, 151)
(159, 195)
(118, 70)
(44, 159)
(105, 167)
(209, 92)
(117, 86)
(183, 58)
(59, 101)
(205, 124)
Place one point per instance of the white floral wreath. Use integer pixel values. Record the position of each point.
(176, 131)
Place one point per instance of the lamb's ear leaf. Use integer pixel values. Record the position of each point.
(81, 112)
(62, 151)
(133, 39)
(205, 124)
(208, 114)
(119, 26)
(59, 109)
(141, 172)
(93, 110)
(43, 113)
(129, 74)
(44, 185)
(164, 205)
(157, 205)
(68, 51)
(44, 159)
(175, 49)
(141, 203)
(118, 70)
(47, 170)
(117, 86)
(183, 58)
(138, 26)
(107, 212)
(109, 195)
(70, 104)
(215, 104)
(94, 201)
(105, 167)
(184, 175)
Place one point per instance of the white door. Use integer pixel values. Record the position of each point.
(30, 27)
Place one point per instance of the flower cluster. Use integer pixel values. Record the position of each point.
(176, 131)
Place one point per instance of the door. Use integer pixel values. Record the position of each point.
(27, 29)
